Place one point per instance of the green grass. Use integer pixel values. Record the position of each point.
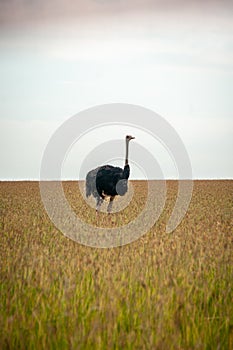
(164, 291)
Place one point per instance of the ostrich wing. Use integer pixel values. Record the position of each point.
(91, 182)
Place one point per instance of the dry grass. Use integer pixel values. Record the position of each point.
(164, 291)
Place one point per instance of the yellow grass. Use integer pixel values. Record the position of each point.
(164, 291)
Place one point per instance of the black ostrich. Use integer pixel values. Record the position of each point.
(108, 181)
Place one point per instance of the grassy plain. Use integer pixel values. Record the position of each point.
(163, 291)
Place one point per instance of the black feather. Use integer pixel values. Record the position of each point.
(112, 180)
(91, 183)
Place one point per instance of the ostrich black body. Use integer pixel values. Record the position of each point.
(112, 181)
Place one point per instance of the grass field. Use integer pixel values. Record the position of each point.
(164, 291)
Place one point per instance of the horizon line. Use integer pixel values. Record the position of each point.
(133, 179)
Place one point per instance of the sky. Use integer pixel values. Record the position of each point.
(61, 57)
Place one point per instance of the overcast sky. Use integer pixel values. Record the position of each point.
(60, 57)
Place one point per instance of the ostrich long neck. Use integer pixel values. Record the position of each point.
(127, 152)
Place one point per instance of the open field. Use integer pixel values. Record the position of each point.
(164, 291)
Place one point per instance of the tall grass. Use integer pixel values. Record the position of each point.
(164, 291)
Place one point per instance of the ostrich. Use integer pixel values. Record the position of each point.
(108, 181)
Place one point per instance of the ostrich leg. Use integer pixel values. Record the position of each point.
(109, 209)
(110, 204)
(98, 205)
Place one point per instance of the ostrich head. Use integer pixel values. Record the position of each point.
(129, 137)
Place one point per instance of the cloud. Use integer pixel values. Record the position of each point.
(58, 57)
(20, 12)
